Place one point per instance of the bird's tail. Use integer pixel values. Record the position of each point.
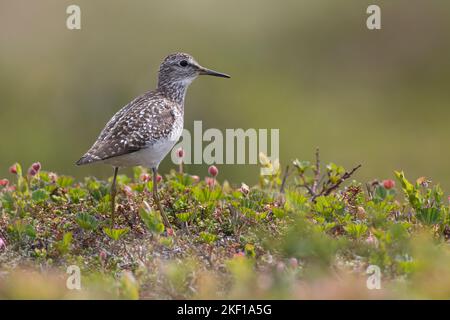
(86, 159)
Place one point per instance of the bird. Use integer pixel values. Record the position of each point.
(144, 131)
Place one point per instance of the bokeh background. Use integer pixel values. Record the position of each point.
(310, 68)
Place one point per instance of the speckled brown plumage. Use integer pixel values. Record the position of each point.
(144, 121)
(152, 123)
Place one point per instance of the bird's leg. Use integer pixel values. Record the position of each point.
(156, 198)
(113, 197)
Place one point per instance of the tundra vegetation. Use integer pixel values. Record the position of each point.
(307, 231)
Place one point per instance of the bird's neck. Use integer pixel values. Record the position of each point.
(175, 91)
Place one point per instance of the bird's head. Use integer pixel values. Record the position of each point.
(181, 68)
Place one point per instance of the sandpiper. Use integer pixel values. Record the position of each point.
(144, 131)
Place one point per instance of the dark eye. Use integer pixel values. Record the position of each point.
(183, 63)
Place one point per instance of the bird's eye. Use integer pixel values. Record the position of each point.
(183, 63)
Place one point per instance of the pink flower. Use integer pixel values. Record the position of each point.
(158, 178)
(210, 181)
(180, 153)
(13, 169)
(239, 254)
(36, 166)
(2, 244)
(388, 184)
(32, 172)
(4, 182)
(244, 189)
(145, 177)
(213, 171)
(170, 232)
(195, 178)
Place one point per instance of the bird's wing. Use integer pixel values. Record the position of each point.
(136, 126)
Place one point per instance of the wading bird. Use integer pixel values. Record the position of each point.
(144, 131)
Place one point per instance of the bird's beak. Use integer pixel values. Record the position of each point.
(208, 72)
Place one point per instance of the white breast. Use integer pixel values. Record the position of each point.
(151, 156)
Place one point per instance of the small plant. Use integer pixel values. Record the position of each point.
(206, 195)
(152, 219)
(87, 221)
(115, 234)
(63, 246)
(356, 231)
(77, 194)
(316, 184)
(184, 216)
(207, 237)
(39, 196)
(427, 202)
(21, 230)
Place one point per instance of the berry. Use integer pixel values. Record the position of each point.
(388, 184)
(213, 171)
(13, 169)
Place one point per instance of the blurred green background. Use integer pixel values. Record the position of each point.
(310, 68)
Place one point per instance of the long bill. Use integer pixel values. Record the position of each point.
(209, 72)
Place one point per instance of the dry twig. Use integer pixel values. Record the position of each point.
(316, 172)
(345, 176)
(285, 176)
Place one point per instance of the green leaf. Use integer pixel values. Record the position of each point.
(7, 201)
(429, 216)
(207, 237)
(356, 230)
(184, 216)
(63, 246)
(39, 195)
(77, 194)
(64, 181)
(152, 220)
(87, 221)
(279, 213)
(30, 231)
(301, 166)
(380, 194)
(296, 201)
(115, 234)
(21, 228)
(205, 195)
(410, 190)
(335, 170)
(18, 169)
